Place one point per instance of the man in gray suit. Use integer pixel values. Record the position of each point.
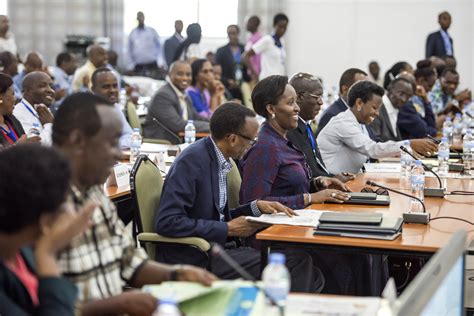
(171, 108)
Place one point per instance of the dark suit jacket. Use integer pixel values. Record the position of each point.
(189, 204)
(299, 138)
(165, 107)
(383, 129)
(171, 44)
(225, 58)
(413, 125)
(56, 295)
(334, 109)
(16, 126)
(435, 45)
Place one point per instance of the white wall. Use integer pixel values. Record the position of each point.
(325, 37)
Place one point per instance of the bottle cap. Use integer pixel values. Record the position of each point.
(444, 139)
(277, 258)
(418, 162)
(190, 121)
(406, 143)
(448, 118)
(168, 300)
(136, 130)
(458, 115)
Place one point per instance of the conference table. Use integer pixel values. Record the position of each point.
(416, 240)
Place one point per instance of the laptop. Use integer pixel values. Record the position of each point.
(438, 289)
(389, 228)
(366, 198)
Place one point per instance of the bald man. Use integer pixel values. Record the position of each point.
(33, 62)
(7, 40)
(38, 95)
(96, 58)
(172, 108)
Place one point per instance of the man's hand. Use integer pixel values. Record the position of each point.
(332, 183)
(195, 274)
(44, 114)
(270, 207)
(59, 94)
(137, 303)
(85, 81)
(463, 95)
(423, 146)
(345, 176)
(25, 139)
(240, 227)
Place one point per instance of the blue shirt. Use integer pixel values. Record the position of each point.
(62, 81)
(143, 45)
(18, 82)
(447, 42)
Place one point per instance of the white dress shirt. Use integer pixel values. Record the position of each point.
(273, 58)
(345, 147)
(392, 113)
(126, 128)
(27, 115)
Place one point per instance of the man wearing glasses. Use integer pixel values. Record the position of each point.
(309, 93)
(194, 200)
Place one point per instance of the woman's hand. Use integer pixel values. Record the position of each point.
(331, 183)
(329, 195)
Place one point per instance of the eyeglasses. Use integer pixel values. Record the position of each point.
(318, 97)
(379, 191)
(251, 141)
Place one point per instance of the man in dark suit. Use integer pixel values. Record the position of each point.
(348, 78)
(440, 43)
(399, 91)
(230, 59)
(194, 202)
(309, 98)
(170, 108)
(172, 43)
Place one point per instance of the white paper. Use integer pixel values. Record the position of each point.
(306, 218)
(301, 304)
(385, 167)
(156, 148)
(122, 175)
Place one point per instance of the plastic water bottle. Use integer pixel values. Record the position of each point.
(190, 132)
(167, 307)
(468, 152)
(276, 279)
(448, 130)
(457, 127)
(34, 130)
(443, 157)
(135, 144)
(405, 160)
(417, 181)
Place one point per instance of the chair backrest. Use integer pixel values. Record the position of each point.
(132, 116)
(146, 184)
(234, 181)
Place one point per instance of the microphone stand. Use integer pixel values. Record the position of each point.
(167, 130)
(408, 217)
(429, 192)
(218, 251)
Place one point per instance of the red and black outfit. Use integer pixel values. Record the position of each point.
(15, 131)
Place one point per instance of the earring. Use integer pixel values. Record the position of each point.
(358, 109)
(273, 115)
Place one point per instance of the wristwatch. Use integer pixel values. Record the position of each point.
(175, 272)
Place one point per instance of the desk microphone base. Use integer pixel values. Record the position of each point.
(435, 192)
(416, 218)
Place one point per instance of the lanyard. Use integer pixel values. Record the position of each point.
(29, 109)
(10, 136)
(313, 146)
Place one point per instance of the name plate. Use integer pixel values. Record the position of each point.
(122, 175)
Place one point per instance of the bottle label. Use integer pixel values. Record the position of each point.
(417, 179)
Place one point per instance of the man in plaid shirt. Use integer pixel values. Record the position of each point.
(104, 259)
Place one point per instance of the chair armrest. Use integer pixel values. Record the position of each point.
(202, 244)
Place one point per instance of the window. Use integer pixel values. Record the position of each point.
(213, 15)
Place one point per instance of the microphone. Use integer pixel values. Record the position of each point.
(408, 217)
(167, 130)
(218, 251)
(429, 192)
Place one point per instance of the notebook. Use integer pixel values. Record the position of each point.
(350, 218)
